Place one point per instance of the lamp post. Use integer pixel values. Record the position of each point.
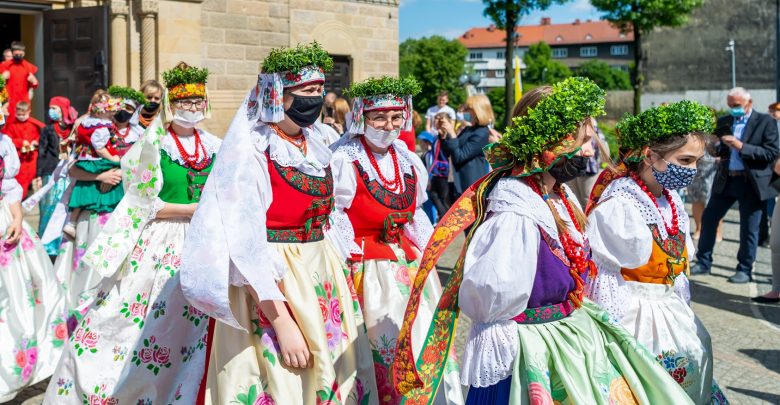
(731, 49)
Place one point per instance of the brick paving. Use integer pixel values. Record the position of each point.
(745, 335)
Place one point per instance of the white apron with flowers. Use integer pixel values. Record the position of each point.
(138, 341)
(32, 305)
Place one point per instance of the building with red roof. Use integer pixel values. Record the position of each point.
(572, 43)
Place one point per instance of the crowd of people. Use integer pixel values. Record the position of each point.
(292, 259)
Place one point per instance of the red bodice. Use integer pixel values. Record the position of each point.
(301, 204)
(379, 215)
(84, 140)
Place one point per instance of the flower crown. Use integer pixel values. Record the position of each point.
(384, 85)
(383, 93)
(634, 132)
(185, 81)
(127, 93)
(548, 125)
(294, 59)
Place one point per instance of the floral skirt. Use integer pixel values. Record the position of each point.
(666, 325)
(383, 290)
(246, 368)
(138, 341)
(32, 312)
(585, 358)
(74, 276)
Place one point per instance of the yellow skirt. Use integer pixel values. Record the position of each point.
(247, 368)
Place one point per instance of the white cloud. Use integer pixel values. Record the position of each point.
(404, 3)
(581, 5)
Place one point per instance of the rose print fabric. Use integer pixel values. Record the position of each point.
(138, 339)
(32, 312)
(247, 368)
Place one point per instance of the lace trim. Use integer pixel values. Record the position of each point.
(682, 287)
(285, 154)
(490, 353)
(353, 148)
(157, 206)
(608, 289)
(344, 232)
(90, 122)
(627, 190)
(210, 142)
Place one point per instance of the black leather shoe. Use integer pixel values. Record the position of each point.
(740, 278)
(697, 269)
(764, 300)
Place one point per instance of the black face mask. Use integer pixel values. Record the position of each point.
(122, 116)
(18, 58)
(570, 169)
(151, 106)
(305, 110)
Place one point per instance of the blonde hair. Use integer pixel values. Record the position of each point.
(151, 84)
(416, 119)
(483, 110)
(340, 111)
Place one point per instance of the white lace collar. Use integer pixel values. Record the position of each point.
(514, 195)
(90, 121)
(628, 190)
(210, 142)
(288, 155)
(354, 150)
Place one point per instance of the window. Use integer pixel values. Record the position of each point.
(500, 54)
(475, 55)
(624, 68)
(618, 50)
(589, 51)
(500, 73)
(482, 73)
(560, 53)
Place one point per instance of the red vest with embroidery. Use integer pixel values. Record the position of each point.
(378, 216)
(301, 204)
(84, 140)
(117, 144)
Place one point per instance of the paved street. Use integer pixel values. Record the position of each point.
(745, 336)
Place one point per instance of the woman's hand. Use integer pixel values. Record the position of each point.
(110, 177)
(13, 233)
(295, 351)
(493, 136)
(448, 129)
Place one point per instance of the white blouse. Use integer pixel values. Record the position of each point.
(498, 276)
(345, 187)
(227, 240)
(11, 190)
(100, 136)
(620, 237)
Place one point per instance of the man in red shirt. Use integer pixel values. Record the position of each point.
(25, 132)
(19, 75)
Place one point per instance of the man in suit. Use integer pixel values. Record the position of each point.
(748, 147)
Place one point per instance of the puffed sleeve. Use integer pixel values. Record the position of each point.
(420, 229)
(11, 190)
(496, 287)
(619, 238)
(100, 138)
(344, 188)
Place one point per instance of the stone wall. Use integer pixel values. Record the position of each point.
(235, 36)
(692, 57)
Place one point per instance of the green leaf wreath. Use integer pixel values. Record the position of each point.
(185, 74)
(375, 86)
(294, 59)
(634, 132)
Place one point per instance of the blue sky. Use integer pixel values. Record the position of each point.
(451, 18)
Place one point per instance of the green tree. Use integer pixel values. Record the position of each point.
(607, 77)
(496, 97)
(540, 68)
(641, 17)
(505, 14)
(437, 63)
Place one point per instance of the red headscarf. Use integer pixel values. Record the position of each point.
(69, 114)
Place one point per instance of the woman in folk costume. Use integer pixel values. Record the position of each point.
(639, 234)
(535, 338)
(380, 186)
(261, 258)
(32, 304)
(139, 341)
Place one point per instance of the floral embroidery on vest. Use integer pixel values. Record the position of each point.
(672, 245)
(388, 198)
(307, 184)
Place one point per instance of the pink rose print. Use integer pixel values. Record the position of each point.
(328, 287)
(324, 308)
(125, 221)
(21, 358)
(27, 372)
(176, 261)
(333, 333)
(103, 218)
(5, 258)
(264, 399)
(111, 401)
(27, 243)
(146, 175)
(146, 354)
(137, 253)
(162, 354)
(335, 311)
(402, 275)
(32, 356)
(77, 255)
(78, 335)
(61, 331)
(166, 260)
(194, 311)
(538, 395)
(90, 339)
(137, 309)
(110, 254)
(94, 399)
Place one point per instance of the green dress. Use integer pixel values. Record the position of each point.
(86, 195)
(182, 185)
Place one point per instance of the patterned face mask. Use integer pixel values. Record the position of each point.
(675, 177)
